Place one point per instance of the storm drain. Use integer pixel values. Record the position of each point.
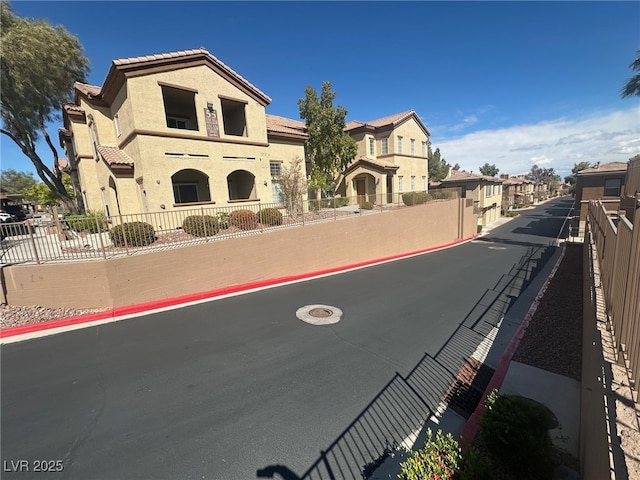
(319, 314)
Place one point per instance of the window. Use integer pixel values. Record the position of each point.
(372, 147)
(413, 146)
(185, 192)
(385, 146)
(424, 183)
(275, 168)
(424, 149)
(179, 108)
(487, 191)
(399, 144)
(413, 183)
(400, 184)
(233, 117)
(190, 186)
(175, 122)
(116, 124)
(612, 187)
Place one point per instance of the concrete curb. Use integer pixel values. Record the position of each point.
(470, 428)
(120, 313)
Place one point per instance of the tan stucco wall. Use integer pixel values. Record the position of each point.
(148, 103)
(181, 271)
(140, 107)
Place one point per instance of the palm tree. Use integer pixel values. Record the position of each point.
(632, 88)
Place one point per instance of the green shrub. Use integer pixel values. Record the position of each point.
(314, 205)
(474, 466)
(415, 198)
(223, 220)
(366, 205)
(439, 458)
(479, 228)
(137, 234)
(201, 225)
(441, 194)
(270, 216)
(515, 433)
(243, 219)
(341, 201)
(92, 222)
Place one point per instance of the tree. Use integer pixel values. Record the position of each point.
(489, 170)
(293, 185)
(632, 87)
(456, 167)
(39, 65)
(571, 179)
(12, 181)
(40, 194)
(438, 167)
(329, 147)
(547, 176)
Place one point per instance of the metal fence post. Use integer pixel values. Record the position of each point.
(33, 242)
(124, 234)
(204, 224)
(104, 254)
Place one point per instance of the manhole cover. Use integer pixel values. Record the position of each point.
(319, 314)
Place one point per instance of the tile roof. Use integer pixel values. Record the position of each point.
(372, 161)
(458, 176)
(71, 108)
(605, 167)
(391, 119)
(89, 90)
(381, 122)
(278, 124)
(114, 156)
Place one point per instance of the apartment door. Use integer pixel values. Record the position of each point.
(361, 189)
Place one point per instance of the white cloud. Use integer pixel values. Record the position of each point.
(560, 143)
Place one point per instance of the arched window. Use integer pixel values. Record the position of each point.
(190, 186)
(241, 185)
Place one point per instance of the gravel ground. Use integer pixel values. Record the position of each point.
(553, 339)
(16, 315)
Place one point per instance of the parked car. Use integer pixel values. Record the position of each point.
(7, 217)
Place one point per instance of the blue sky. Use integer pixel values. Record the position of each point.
(510, 83)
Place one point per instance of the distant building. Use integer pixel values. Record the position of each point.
(602, 182)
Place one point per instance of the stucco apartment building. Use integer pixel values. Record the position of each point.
(180, 130)
(485, 191)
(604, 182)
(174, 131)
(391, 158)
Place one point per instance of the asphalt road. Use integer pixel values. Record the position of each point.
(221, 389)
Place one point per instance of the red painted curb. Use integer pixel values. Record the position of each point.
(210, 294)
(470, 429)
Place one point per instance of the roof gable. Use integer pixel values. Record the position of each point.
(124, 68)
(385, 123)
